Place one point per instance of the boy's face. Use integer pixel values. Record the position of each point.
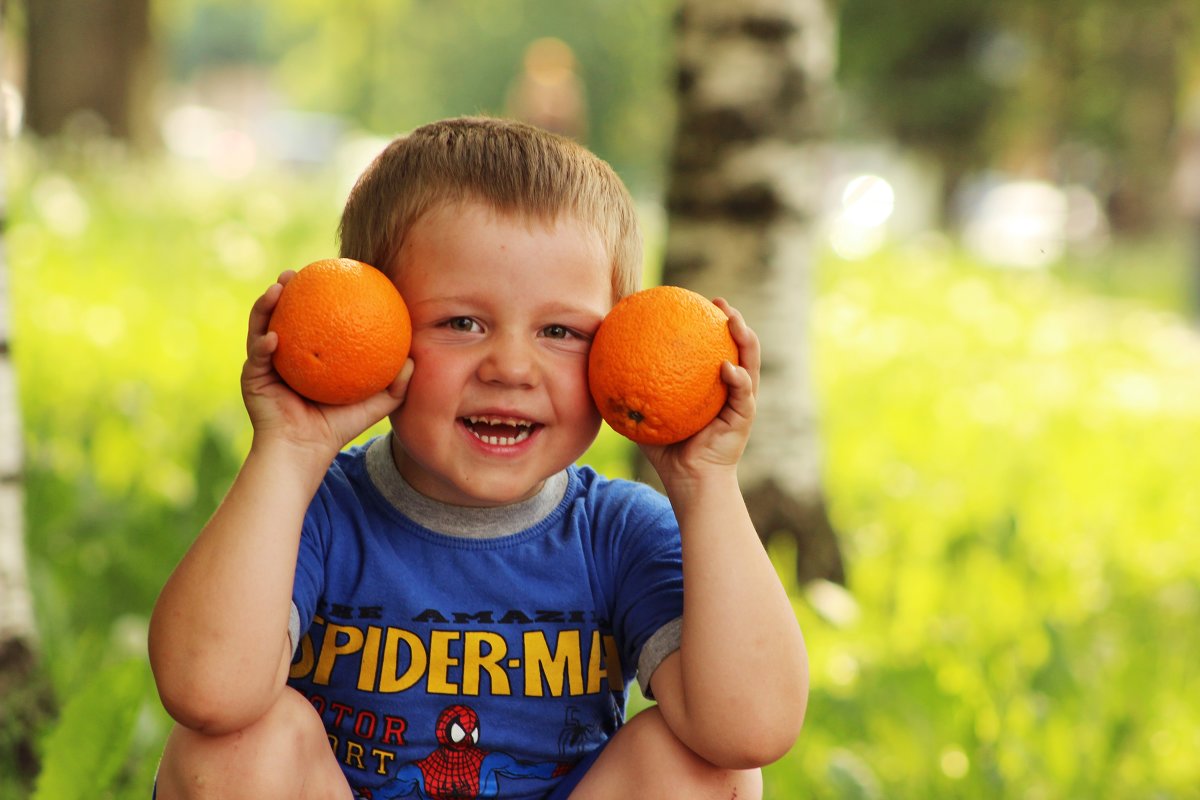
(503, 313)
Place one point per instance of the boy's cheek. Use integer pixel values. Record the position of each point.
(594, 421)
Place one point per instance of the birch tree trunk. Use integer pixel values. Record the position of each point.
(754, 79)
(24, 697)
(94, 57)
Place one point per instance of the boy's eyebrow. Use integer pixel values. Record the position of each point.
(547, 308)
(569, 308)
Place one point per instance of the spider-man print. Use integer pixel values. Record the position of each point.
(459, 767)
(453, 770)
(578, 738)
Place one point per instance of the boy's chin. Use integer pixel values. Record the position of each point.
(479, 490)
(495, 496)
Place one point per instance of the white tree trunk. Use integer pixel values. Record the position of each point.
(16, 608)
(24, 693)
(754, 83)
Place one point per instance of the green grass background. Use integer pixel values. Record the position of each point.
(1010, 458)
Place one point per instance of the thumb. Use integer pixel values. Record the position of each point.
(392, 396)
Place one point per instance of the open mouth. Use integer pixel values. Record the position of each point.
(503, 431)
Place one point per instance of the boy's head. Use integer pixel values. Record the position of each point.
(514, 168)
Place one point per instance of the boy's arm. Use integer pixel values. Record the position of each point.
(736, 690)
(218, 634)
(219, 631)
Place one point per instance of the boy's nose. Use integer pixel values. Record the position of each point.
(510, 361)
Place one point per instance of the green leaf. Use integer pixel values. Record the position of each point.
(91, 741)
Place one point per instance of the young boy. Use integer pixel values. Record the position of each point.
(455, 609)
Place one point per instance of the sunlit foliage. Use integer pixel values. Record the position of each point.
(1007, 462)
(387, 66)
(1009, 458)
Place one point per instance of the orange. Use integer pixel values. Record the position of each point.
(344, 331)
(655, 365)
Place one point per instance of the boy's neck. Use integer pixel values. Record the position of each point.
(460, 521)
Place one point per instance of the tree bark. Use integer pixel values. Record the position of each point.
(24, 692)
(754, 81)
(89, 59)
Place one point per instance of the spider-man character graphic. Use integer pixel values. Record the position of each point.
(459, 767)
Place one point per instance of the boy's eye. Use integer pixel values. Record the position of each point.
(465, 324)
(556, 332)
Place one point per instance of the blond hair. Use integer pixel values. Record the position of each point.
(513, 167)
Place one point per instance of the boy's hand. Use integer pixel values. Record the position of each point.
(278, 412)
(719, 445)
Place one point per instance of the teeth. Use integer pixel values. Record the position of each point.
(524, 428)
(503, 440)
(519, 423)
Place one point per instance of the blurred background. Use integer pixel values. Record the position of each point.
(997, 211)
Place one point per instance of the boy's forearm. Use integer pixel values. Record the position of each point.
(219, 628)
(743, 668)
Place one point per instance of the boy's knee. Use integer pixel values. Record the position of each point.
(661, 747)
(284, 754)
(646, 759)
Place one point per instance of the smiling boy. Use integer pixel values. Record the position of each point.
(455, 609)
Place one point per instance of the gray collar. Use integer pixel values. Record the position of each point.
(463, 521)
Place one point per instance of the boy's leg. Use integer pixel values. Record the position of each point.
(646, 760)
(284, 754)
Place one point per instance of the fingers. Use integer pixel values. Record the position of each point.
(260, 341)
(398, 388)
(394, 393)
(403, 378)
(741, 398)
(260, 313)
(749, 348)
(351, 420)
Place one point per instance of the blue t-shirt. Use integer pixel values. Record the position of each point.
(486, 651)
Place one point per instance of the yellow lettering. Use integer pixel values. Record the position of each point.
(354, 753)
(565, 663)
(440, 662)
(369, 667)
(384, 757)
(302, 667)
(612, 664)
(390, 678)
(595, 670)
(474, 659)
(331, 649)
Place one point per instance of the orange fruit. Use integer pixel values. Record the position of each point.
(654, 369)
(344, 331)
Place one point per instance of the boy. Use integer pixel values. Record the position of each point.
(455, 609)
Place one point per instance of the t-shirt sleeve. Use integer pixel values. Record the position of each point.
(294, 628)
(648, 582)
(308, 584)
(661, 644)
